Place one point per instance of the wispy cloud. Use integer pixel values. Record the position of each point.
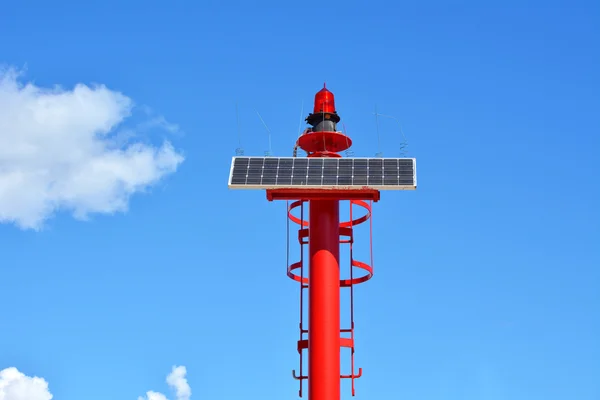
(64, 150)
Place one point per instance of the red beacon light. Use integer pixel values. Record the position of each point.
(324, 101)
(323, 139)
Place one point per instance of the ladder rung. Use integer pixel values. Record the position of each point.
(301, 377)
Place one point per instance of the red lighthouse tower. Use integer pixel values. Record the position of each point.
(322, 180)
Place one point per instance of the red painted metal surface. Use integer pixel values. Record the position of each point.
(324, 101)
(324, 301)
(322, 194)
(324, 233)
(324, 142)
(323, 139)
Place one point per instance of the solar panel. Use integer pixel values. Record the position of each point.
(323, 173)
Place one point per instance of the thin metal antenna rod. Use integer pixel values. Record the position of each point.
(301, 115)
(404, 143)
(237, 116)
(349, 152)
(268, 131)
(379, 153)
(239, 151)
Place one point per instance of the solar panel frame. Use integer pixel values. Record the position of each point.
(316, 173)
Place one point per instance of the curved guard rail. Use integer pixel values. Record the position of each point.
(296, 272)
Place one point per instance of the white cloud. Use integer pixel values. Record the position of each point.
(15, 385)
(65, 150)
(150, 395)
(176, 381)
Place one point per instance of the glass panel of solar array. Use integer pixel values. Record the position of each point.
(281, 172)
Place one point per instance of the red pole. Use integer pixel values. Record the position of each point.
(324, 301)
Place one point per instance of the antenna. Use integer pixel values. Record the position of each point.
(379, 152)
(239, 151)
(300, 132)
(404, 142)
(349, 152)
(300, 123)
(268, 152)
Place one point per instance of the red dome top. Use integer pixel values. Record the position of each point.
(324, 102)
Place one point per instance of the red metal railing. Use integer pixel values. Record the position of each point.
(296, 271)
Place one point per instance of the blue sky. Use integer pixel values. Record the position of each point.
(486, 284)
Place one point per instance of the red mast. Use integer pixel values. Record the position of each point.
(323, 230)
(322, 181)
(324, 264)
